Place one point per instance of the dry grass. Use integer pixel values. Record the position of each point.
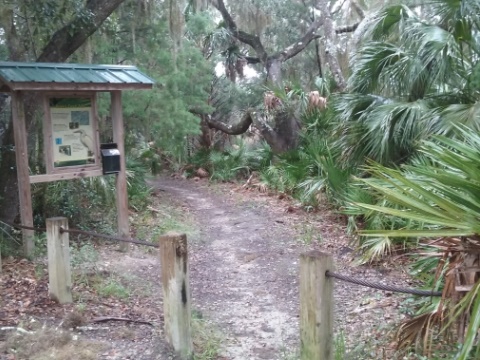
(50, 344)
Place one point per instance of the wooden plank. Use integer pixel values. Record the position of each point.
(123, 228)
(21, 156)
(65, 176)
(316, 306)
(59, 273)
(47, 137)
(96, 130)
(35, 86)
(176, 293)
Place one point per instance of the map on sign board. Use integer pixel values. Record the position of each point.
(72, 132)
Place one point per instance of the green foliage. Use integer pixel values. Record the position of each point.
(207, 340)
(413, 77)
(81, 201)
(314, 170)
(235, 162)
(438, 197)
(10, 241)
(442, 197)
(90, 202)
(112, 288)
(83, 255)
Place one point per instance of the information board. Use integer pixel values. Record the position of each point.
(73, 135)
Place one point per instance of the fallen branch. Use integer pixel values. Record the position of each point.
(249, 182)
(109, 318)
(18, 329)
(158, 211)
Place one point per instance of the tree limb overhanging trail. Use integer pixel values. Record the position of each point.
(283, 135)
(276, 138)
(272, 63)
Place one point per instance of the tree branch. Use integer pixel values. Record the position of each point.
(358, 9)
(347, 28)
(232, 129)
(298, 46)
(68, 39)
(252, 60)
(249, 39)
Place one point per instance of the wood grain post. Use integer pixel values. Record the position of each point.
(123, 227)
(316, 306)
(59, 274)
(176, 293)
(21, 157)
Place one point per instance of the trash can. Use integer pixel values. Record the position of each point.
(110, 158)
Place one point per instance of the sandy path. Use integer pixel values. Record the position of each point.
(243, 274)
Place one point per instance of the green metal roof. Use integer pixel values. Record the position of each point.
(62, 76)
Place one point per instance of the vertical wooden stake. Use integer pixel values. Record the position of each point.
(121, 181)
(176, 293)
(60, 277)
(316, 306)
(23, 176)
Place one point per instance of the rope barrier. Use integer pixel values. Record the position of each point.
(18, 226)
(381, 286)
(327, 273)
(81, 232)
(109, 237)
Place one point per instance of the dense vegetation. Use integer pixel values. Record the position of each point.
(396, 149)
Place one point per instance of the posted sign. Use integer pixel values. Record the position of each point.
(73, 135)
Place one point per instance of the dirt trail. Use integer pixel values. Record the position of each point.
(243, 274)
(244, 280)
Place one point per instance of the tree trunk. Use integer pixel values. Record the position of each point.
(9, 201)
(330, 40)
(273, 66)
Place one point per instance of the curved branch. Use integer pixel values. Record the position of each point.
(232, 129)
(299, 45)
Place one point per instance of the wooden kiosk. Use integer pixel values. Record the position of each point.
(70, 125)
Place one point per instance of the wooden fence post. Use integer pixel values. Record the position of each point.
(60, 277)
(316, 306)
(176, 293)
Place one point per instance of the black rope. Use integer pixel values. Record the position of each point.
(19, 226)
(81, 232)
(381, 286)
(109, 237)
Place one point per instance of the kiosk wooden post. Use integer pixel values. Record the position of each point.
(121, 180)
(23, 176)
